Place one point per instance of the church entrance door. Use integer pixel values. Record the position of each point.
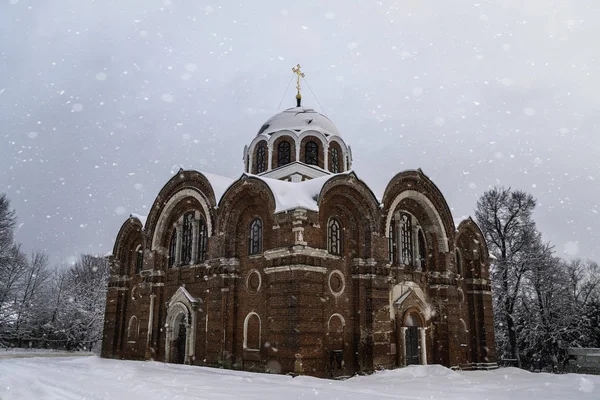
(180, 345)
(412, 345)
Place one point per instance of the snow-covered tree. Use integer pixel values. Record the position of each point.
(504, 217)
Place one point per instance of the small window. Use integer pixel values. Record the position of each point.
(392, 241)
(139, 259)
(406, 251)
(335, 161)
(187, 238)
(255, 239)
(252, 328)
(173, 248)
(459, 268)
(283, 153)
(261, 159)
(334, 237)
(312, 153)
(133, 329)
(202, 240)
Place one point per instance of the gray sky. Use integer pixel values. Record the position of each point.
(102, 101)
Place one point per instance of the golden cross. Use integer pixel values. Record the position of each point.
(300, 74)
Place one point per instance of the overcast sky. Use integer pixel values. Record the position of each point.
(102, 101)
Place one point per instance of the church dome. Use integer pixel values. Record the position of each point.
(299, 119)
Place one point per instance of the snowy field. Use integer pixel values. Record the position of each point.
(93, 378)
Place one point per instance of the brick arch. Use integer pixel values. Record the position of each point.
(359, 208)
(184, 184)
(417, 186)
(354, 188)
(130, 236)
(247, 198)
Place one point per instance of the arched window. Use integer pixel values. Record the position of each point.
(406, 245)
(261, 159)
(459, 268)
(202, 240)
(252, 332)
(335, 161)
(283, 153)
(187, 238)
(392, 242)
(255, 239)
(334, 237)
(139, 259)
(312, 153)
(422, 249)
(173, 248)
(133, 329)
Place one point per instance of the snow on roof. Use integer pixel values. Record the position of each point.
(290, 195)
(458, 220)
(299, 118)
(142, 218)
(219, 184)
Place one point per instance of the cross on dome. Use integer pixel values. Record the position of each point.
(300, 74)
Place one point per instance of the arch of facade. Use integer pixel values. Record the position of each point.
(247, 198)
(353, 200)
(184, 185)
(129, 237)
(416, 186)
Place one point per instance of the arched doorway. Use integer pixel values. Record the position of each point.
(179, 342)
(180, 337)
(335, 339)
(411, 339)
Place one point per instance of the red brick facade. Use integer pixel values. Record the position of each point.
(294, 306)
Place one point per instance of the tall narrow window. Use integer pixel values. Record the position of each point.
(187, 238)
(406, 251)
(261, 159)
(334, 237)
(335, 161)
(173, 248)
(283, 153)
(459, 268)
(202, 240)
(139, 259)
(422, 250)
(392, 241)
(255, 240)
(312, 153)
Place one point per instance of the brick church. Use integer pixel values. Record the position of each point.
(298, 267)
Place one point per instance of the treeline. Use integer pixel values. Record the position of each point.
(542, 304)
(44, 307)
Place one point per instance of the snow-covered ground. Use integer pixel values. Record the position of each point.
(93, 378)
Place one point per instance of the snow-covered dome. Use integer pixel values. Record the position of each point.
(299, 119)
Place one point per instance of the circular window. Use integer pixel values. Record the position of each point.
(253, 281)
(337, 282)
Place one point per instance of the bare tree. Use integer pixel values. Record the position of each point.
(505, 219)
